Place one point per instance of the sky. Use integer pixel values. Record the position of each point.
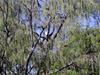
(92, 20)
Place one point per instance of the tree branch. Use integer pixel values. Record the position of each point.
(30, 55)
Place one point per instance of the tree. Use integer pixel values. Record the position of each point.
(58, 44)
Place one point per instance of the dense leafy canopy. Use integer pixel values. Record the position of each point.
(48, 37)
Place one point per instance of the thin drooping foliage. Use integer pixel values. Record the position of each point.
(46, 37)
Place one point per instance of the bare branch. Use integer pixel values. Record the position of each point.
(62, 22)
(30, 55)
